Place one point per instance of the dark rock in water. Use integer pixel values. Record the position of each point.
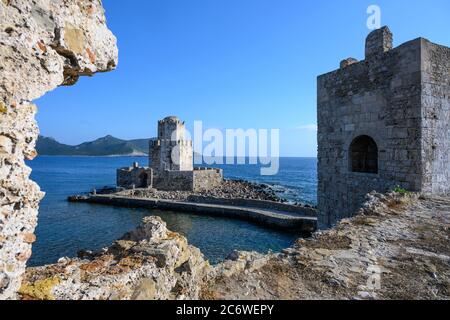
(85, 254)
(109, 190)
(233, 256)
(77, 198)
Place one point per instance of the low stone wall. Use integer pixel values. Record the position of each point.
(138, 177)
(207, 179)
(198, 180)
(174, 180)
(229, 189)
(270, 205)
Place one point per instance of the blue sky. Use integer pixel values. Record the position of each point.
(230, 63)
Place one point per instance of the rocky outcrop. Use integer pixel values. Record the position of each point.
(396, 248)
(43, 44)
(148, 263)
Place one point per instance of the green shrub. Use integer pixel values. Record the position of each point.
(401, 190)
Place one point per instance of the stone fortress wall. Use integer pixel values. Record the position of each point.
(383, 122)
(174, 180)
(435, 127)
(207, 178)
(171, 164)
(135, 177)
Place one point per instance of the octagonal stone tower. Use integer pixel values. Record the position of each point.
(383, 122)
(171, 151)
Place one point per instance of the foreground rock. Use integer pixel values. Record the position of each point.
(396, 248)
(43, 44)
(146, 264)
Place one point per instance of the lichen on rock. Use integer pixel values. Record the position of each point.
(41, 289)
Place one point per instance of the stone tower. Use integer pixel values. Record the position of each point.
(383, 122)
(171, 164)
(171, 151)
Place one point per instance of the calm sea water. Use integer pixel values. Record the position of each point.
(65, 228)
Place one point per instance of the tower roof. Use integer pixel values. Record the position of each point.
(171, 119)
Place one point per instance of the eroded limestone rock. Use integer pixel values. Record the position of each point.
(43, 44)
(396, 248)
(150, 263)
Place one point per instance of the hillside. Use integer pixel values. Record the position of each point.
(106, 146)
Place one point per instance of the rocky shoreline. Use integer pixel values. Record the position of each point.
(229, 189)
(148, 263)
(396, 248)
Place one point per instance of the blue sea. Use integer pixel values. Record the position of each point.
(65, 228)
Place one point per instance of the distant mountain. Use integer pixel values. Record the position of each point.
(49, 146)
(107, 146)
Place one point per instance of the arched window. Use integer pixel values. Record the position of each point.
(364, 155)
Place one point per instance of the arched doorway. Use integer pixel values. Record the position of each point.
(143, 180)
(363, 155)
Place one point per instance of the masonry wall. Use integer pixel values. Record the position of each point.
(436, 118)
(135, 177)
(174, 180)
(207, 179)
(155, 154)
(379, 97)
